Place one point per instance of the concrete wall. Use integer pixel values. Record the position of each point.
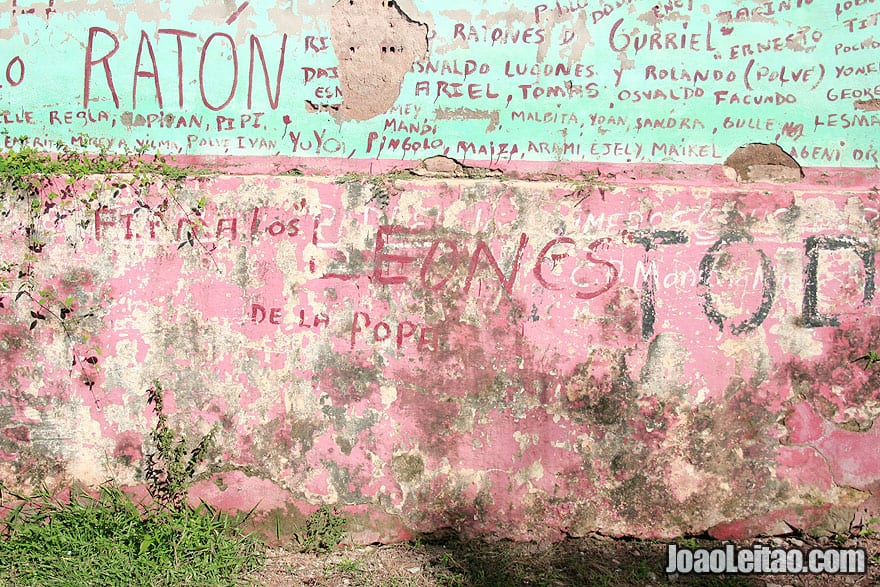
(616, 320)
(620, 81)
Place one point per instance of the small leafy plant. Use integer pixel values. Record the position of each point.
(868, 527)
(170, 470)
(43, 188)
(109, 540)
(382, 186)
(689, 542)
(323, 531)
(870, 358)
(583, 187)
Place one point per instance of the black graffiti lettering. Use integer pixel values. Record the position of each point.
(651, 240)
(768, 287)
(812, 247)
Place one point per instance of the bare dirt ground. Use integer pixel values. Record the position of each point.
(584, 562)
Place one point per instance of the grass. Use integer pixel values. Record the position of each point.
(27, 167)
(109, 540)
(349, 566)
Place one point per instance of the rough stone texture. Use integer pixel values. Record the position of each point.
(871, 105)
(759, 162)
(442, 166)
(498, 357)
(439, 166)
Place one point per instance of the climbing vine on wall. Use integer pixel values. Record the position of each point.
(37, 192)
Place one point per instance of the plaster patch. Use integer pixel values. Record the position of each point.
(533, 472)
(684, 480)
(389, 394)
(376, 45)
(762, 162)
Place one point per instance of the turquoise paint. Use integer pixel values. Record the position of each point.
(590, 77)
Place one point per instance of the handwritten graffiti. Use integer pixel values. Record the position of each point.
(199, 84)
(814, 246)
(425, 337)
(103, 45)
(736, 279)
(576, 267)
(15, 71)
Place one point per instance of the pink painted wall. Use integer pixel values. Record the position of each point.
(663, 352)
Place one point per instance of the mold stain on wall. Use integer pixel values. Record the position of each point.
(451, 346)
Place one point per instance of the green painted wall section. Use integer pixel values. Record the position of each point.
(677, 81)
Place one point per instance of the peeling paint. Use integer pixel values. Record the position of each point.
(375, 81)
(544, 304)
(475, 354)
